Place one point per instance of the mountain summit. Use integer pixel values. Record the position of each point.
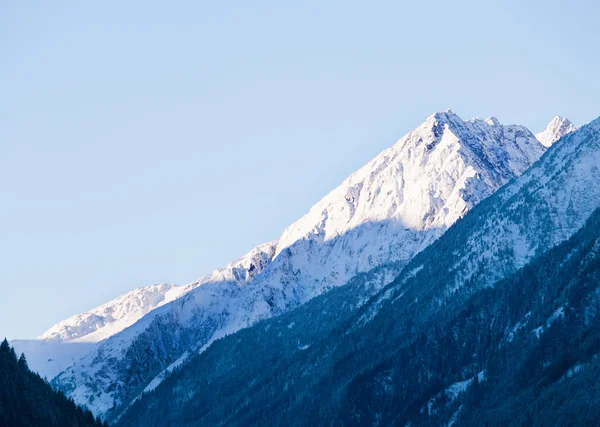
(422, 184)
(382, 214)
(556, 129)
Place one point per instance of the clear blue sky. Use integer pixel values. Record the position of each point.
(145, 142)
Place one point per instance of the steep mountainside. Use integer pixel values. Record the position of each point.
(382, 363)
(387, 211)
(27, 400)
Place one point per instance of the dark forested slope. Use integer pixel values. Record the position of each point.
(28, 400)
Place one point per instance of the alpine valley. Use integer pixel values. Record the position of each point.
(474, 237)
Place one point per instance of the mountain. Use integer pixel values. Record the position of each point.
(102, 322)
(69, 340)
(556, 129)
(27, 400)
(384, 213)
(489, 316)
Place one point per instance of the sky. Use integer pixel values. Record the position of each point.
(148, 142)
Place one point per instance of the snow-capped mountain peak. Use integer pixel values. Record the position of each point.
(427, 180)
(385, 212)
(556, 129)
(492, 121)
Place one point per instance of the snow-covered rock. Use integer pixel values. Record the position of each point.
(542, 208)
(387, 211)
(114, 316)
(67, 341)
(110, 318)
(416, 188)
(556, 129)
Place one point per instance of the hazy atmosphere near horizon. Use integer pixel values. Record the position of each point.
(151, 142)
